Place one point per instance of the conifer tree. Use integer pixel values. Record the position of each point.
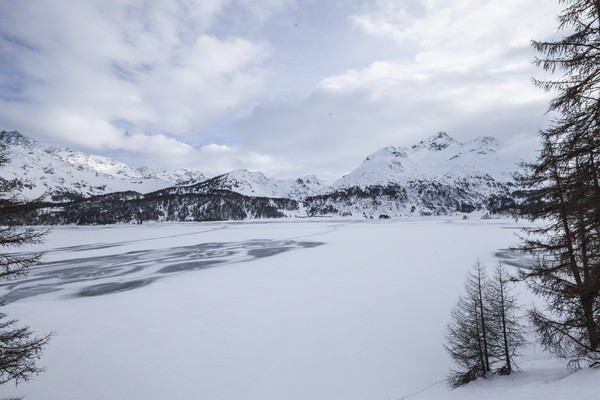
(19, 348)
(484, 333)
(468, 333)
(565, 179)
(503, 313)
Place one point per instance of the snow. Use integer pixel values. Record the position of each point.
(254, 183)
(360, 316)
(45, 170)
(439, 157)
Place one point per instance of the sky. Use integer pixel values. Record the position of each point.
(286, 87)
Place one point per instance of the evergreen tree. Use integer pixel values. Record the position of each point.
(484, 334)
(19, 349)
(467, 336)
(503, 313)
(566, 186)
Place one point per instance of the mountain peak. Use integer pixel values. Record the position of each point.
(15, 138)
(309, 180)
(244, 174)
(486, 141)
(60, 174)
(439, 141)
(255, 183)
(390, 152)
(484, 145)
(438, 158)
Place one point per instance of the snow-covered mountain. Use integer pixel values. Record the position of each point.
(439, 157)
(438, 175)
(255, 184)
(55, 173)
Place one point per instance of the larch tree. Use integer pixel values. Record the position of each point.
(19, 348)
(484, 334)
(468, 333)
(504, 317)
(566, 190)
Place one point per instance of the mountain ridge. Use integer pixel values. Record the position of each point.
(436, 176)
(34, 167)
(54, 173)
(438, 156)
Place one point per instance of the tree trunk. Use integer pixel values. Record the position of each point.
(483, 319)
(503, 315)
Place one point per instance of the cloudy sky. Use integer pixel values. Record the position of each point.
(287, 87)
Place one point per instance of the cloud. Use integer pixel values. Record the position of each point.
(465, 68)
(211, 159)
(457, 28)
(81, 73)
(282, 86)
(217, 159)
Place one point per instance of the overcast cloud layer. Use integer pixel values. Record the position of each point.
(285, 87)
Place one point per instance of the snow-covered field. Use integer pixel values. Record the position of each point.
(282, 310)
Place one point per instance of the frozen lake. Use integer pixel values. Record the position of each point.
(106, 274)
(298, 309)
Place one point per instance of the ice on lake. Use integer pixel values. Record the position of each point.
(106, 274)
(286, 309)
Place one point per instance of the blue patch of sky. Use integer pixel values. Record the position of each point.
(21, 44)
(219, 132)
(129, 73)
(121, 72)
(13, 81)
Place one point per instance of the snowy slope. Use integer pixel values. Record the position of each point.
(256, 184)
(437, 176)
(181, 176)
(60, 173)
(439, 160)
(439, 157)
(56, 173)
